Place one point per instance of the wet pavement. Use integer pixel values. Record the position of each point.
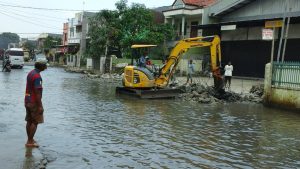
(87, 126)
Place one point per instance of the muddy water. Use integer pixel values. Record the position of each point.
(87, 126)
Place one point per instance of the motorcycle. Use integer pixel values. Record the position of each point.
(6, 65)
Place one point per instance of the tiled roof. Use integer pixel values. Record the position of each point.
(201, 3)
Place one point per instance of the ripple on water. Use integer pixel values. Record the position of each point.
(87, 126)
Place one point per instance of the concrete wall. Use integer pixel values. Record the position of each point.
(71, 60)
(183, 66)
(250, 33)
(275, 97)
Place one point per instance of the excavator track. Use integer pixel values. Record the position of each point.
(149, 93)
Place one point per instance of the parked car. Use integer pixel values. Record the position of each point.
(16, 57)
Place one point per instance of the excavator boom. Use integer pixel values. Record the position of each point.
(181, 47)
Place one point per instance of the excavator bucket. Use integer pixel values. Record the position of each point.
(149, 93)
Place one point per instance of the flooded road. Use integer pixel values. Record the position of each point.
(88, 127)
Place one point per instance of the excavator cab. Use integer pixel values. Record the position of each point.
(136, 76)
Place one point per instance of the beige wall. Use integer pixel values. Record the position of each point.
(183, 66)
(275, 97)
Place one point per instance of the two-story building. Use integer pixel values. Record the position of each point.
(77, 36)
(186, 16)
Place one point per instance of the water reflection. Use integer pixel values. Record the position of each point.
(29, 160)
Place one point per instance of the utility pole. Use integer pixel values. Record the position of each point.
(282, 32)
(286, 32)
(82, 37)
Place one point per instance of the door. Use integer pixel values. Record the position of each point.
(194, 29)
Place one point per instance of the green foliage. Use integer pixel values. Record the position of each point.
(103, 31)
(124, 27)
(7, 37)
(29, 45)
(50, 42)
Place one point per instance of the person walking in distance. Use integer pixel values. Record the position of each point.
(33, 102)
(228, 75)
(190, 71)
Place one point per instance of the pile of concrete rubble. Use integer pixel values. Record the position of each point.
(91, 75)
(208, 95)
(74, 69)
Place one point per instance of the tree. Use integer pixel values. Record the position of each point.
(7, 37)
(29, 45)
(103, 32)
(124, 27)
(50, 42)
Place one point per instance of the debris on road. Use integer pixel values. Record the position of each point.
(208, 95)
(257, 90)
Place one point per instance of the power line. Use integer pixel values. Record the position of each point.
(31, 33)
(48, 9)
(32, 17)
(33, 13)
(37, 14)
(56, 28)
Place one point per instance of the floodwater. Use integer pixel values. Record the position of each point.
(88, 127)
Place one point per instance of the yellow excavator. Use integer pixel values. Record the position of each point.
(141, 82)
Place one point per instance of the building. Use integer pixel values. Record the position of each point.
(42, 37)
(65, 37)
(77, 36)
(240, 24)
(185, 16)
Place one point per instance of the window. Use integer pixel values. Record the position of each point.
(16, 53)
(72, 32)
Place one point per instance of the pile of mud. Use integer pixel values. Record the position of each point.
(208, 95)
(74, 69)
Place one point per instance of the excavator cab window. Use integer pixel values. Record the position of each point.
(136, 53)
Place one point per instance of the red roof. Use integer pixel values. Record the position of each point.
(200, 3)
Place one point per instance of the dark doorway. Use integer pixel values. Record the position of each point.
(194, 29)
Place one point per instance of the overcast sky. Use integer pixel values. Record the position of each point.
(25, 21)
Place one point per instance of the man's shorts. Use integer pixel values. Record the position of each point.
(228, 79)
(32, 115)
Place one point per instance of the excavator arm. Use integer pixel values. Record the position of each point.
(184, 45)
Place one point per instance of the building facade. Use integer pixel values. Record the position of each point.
(42, 37)
(77, 36)
(185, 16)
(240, 24)
(65, 37)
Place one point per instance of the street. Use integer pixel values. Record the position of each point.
(87, 126)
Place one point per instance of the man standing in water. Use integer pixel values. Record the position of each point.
(33, 102)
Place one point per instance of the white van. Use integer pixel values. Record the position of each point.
(16, 57)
